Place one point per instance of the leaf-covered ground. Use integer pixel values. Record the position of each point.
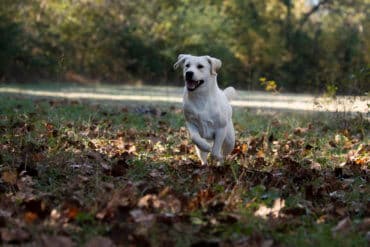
(74, 173)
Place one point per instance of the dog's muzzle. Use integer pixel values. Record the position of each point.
(191, 84)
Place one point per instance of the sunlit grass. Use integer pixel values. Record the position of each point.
(173, 95)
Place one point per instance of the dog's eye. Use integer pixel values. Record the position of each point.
(187, 65)
(200, 66)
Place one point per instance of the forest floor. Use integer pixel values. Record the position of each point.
(98, 170)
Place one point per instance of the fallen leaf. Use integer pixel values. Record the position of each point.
(56, 241)
(55, 214)
(315, 166)
(155, 173)
(17, 235)
(362, 161)
(364, 225)
(343, 226)
(36, 157)
(338, 194)
(340, 139)
(35, 208)
(264, 211)
(341, 211)
(71, 211)
(260, 154)
(100, 241)
(30, 217)
(267, 243)
(9, 177)
(122, 198)
(150, 201)
(299, 130)
(4, 213)
(202, 198)
(140, 216)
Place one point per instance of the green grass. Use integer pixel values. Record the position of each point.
(102, 160)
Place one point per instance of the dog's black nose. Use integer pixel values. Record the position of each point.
(189, 75)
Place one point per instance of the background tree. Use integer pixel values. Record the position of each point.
(303, 45)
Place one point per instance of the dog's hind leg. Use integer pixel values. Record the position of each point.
(218, 143)
(202, 155)
(229, 142)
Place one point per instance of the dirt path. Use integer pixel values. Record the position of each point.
(173, 95)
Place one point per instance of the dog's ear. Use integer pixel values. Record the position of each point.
(215, 64)
(180, 60)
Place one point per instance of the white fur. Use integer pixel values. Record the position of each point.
(207, 110)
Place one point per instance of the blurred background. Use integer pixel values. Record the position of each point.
(310, 46)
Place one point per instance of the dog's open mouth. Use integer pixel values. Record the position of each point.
(192, 85)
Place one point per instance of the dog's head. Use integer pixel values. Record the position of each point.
(198, 71)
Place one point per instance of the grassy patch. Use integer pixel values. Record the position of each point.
(130, 174)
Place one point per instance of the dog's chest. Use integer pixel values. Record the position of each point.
(204, 123)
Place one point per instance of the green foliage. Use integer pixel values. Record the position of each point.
(331, 90)
(298, 45)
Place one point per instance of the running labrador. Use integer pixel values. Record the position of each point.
(206, 107)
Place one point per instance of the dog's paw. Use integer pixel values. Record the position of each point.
(217, 156)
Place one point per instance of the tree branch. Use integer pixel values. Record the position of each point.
(312, 11)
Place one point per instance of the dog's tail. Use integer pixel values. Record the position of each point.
(230, 93)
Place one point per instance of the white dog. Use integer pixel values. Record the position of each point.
(206, 107)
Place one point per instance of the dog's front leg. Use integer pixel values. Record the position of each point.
(217, 145)
(197, 139)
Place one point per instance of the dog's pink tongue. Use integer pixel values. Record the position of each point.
(191, 84)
